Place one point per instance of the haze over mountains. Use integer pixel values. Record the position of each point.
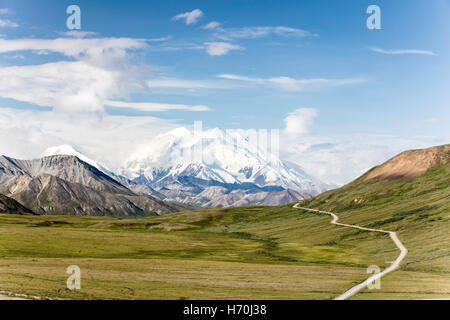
(156, 181)
(409, 176)
(410, 164)
(65, 184)
(212, 168)
(70, 183)
(223, 156)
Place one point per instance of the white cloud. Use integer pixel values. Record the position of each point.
(174, 83)
(100, 75)
(102, 72)
(108, 139)
(159, 39)
(211, 25)
(16, 56)
(155, 107)
(66, 86)
(78, 34)
(191, 17)
(8, 23)
(237, 81)
(73, 47)
(239, 78)
(4, 10)
(431, 120)
(291, 84)
(406, 51)
(340, 158)
(298, 122)
(341, 161)
(220, 48)
(82, 87)
(258, 32)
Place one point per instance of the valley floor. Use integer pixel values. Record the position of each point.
(239, 253)
(242, 253)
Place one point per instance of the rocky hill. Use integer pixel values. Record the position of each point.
(67, 185)
(8, 205)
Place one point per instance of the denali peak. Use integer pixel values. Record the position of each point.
(232, 156)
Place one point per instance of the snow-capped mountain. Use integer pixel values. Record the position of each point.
(228, 157)
(208, 168)
(71, 151)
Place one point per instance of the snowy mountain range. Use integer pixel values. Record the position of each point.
(226, 156)
(204, 168)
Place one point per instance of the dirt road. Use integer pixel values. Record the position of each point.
(403, 252)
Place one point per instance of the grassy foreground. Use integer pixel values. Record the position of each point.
(419, 211)
(240, 253)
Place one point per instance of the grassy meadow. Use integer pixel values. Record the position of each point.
(419, 211)
(241, 253)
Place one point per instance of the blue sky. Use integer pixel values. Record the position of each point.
(285, 56)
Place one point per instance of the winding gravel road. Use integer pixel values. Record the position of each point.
(403, 252)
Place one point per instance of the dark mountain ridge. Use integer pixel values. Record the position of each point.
(64, 184)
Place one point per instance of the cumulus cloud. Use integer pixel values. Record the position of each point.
(340, 158)
(405, 51)
(298, 122)
(4, 10)
(258, 32)
(291, 84)
(220, 48)
(75, 87)
(343, 161)
(66, 86)
(108, 139)
(100, 74)
(111, 139)
(189, 18)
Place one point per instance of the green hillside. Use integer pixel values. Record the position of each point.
(418, 210)
(242, 253)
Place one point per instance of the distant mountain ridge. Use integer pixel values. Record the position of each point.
(170, 169)
(239, 199)
(194, 168)
(65, 184)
